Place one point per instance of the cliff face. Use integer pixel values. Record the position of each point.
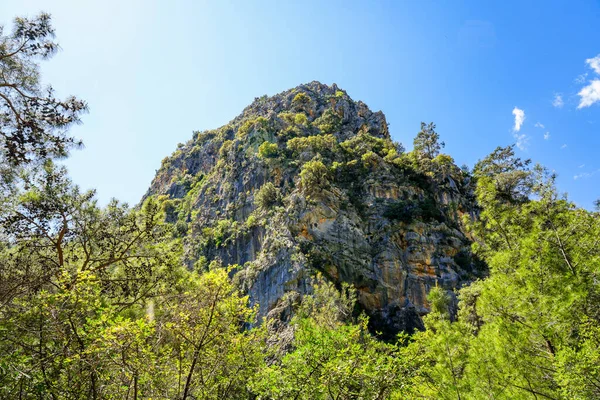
(309, 181)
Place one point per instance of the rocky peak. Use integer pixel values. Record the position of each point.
(321, 98)
(309, 181)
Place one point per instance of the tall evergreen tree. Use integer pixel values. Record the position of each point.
(33, 121)
(427, 142)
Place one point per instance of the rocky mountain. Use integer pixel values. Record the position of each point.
(309, 181)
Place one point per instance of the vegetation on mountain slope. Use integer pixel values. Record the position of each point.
(309, 181)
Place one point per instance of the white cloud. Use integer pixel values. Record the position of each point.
(581, 166)
(564, 146)
(546, 135)
(519, 118)
(558, 101)
(585, 175)
(521, 140)
(581, 78)
(594, 63)
(539, 125)
(590, 94)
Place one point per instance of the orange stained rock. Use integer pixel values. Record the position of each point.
(322, 220)
(424, 270)
(304, 233)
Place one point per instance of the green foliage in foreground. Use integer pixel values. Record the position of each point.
(333, 359)
(95, 304)
(531, 329)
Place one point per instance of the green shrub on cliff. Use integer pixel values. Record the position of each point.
(226, 148)
(314, 177)
(301, 100)
(316, 144)
(329, 122)
(258, 123)
(267, 150)
(300, 119)
(364, 142)
(267, 196)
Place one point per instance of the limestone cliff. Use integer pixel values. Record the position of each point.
(310, 181)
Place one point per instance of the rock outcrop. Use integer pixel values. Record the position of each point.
(309, 181)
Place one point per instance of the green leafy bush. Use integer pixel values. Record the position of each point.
(317, 143)
(258, 124)
(181, 228)
(226, 147)
(267, 150)
(370, 159)
(362, 143)
(251, 222)
(439, 301)
(223, 230)
(329, 122)
(267, 196)
(314, 176)
(169, 207)
(444, 164)
(294, 119)
(300, 119)
(301, 100)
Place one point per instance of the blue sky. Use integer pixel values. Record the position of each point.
(152, 72)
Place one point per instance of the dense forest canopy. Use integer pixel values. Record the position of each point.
(100, 303)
